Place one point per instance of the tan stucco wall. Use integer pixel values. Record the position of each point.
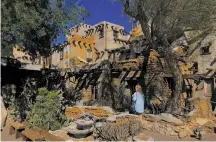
(204, 61)
(22, 56)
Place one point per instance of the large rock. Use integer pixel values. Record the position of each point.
(209, 127)
(163, 117)
(151, 117)
(201, 121)
(183, 134)
(171, 119)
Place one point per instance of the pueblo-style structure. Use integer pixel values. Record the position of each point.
(105, 55)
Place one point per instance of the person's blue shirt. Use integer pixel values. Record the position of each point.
(138, 99)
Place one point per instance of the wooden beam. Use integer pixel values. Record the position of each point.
(192, 76)
(211, 69)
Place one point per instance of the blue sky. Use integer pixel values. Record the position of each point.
(104, 10)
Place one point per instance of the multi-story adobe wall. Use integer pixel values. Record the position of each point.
(89, 43)
(81, 45)
(202, 54)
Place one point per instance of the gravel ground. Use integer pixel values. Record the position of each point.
(157, 137)
(161, 137)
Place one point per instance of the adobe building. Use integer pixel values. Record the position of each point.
(201, 54)
(88, 44)
(88, 47)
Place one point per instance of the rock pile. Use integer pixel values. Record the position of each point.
(169, 125)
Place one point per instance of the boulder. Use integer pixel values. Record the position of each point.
(151, 117)
(209, 127)
(111, 118)
(165, 117)
(171, 119)
(173, 134)
(201, 121)
(183, 134)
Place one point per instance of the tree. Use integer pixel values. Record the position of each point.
(36, 24)
(165, 21)
(47, 112)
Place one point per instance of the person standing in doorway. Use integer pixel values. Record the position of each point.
(138, 101)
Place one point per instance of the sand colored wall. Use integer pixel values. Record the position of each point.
(22, 56)
(79, 45)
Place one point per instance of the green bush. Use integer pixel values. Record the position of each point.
(47, 112)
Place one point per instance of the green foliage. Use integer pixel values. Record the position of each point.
(24, 103)
(8, 95)
(34, 24)
(71, 96)
(47, 112)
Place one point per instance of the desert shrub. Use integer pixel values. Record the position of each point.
(47, 112)
(135, 127)
(113, 132)
(119, 131)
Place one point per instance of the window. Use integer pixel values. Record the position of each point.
(204, 50)
(61, 54)
(115, 34)
(89, 55)
(194, 68)
(101, 33)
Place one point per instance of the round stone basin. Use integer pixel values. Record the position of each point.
(80, 133)
(82, 124)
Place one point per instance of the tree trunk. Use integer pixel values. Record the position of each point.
(173, 102)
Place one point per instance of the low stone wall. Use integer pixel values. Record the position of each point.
(78, 111)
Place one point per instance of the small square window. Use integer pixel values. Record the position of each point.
(115, 34)
(101, 33)
(204, 50)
